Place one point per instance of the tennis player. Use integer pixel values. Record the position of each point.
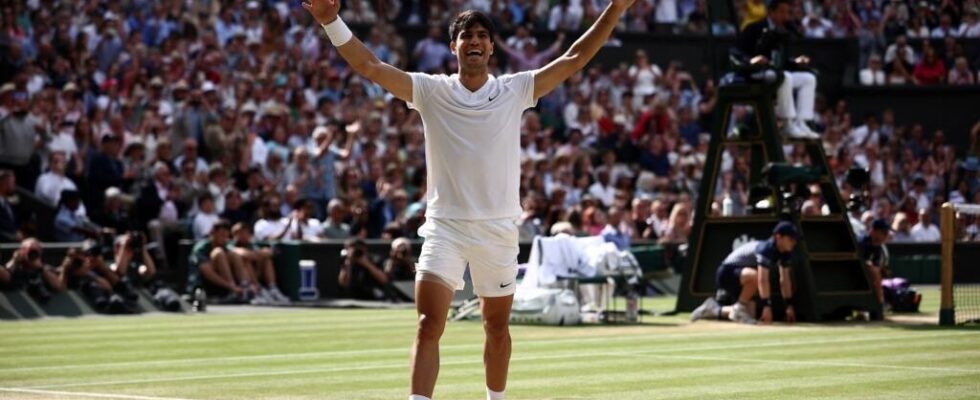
(472, 150)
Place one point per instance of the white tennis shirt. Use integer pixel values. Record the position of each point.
(472, 144)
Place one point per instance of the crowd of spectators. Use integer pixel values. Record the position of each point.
(172, 117)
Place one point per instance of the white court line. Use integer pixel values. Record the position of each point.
(84, 394)
(307, 355)
(799, 362)
(534, 358)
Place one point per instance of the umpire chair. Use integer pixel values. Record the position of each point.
(830, 281)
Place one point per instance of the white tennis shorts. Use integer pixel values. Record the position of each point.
(488, 246)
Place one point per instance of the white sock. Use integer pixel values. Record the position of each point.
(418, 397)
(491, 395)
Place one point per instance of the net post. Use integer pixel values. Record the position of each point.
(947, 314)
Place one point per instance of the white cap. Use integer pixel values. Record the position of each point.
(112, 192)
(252, 5)
(207, 86)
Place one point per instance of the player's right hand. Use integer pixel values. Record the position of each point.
(323, 11)
(766, 317)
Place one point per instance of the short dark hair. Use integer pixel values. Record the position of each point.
(775, 3)
(466, 19)
(221, 224)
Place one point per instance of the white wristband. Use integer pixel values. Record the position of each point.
(338, 32)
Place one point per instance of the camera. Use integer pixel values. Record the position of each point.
(136, 241)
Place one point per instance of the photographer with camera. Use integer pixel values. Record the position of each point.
(87, 272)
(400, 265)
(360, 278)
(133, 262)
(25, 270)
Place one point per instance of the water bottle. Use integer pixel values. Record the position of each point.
(200, 300)
(308, 283)
(632, 307)
(727, 205)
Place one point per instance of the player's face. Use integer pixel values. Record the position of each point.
(473, 47)
(785, 244)
(878, 237)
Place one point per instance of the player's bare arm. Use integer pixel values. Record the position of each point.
(547, 78)
(764, 293)
(786, 289)
(365, 63)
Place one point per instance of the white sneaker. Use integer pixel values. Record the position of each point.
(259, 300)
(794, 131)
(740, 313)
(278, 297)
(806, 129)
(706, 310)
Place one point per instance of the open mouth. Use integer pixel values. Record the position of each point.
(477, 53)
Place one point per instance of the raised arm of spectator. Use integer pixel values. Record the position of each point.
(346, 152)
(511, 52)
(547, 78)
(365, 63)
(551, 50)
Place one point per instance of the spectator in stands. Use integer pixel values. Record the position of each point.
(360, 278)
(400, 265)
(300, 224)
(873, 75)
(325, 157)
(271, 226)
(389, 207)
(334, 226)
(260, 261)
(50, 184)
(614, 231)
(189, 152)
(104, 170)
(430, 53)
(945, 28)
(19, 137)
(565, 15)
(71, 224)
(236, 210)
(678, 225)
(960, 74)
(206, 216)
(158, 207)
(900, 72)
(925, 230)
(900, 50)
(220, 272)
(645, 75)
(9, 229)
(527, 58)
(970, 27)
(26, 271)
(901, 229)
(930, 70)
(815, 26)
(794, 110)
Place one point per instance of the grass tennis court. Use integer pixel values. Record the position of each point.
(363, 354)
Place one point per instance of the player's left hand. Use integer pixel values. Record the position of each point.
(790, 314)
(766, 317)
